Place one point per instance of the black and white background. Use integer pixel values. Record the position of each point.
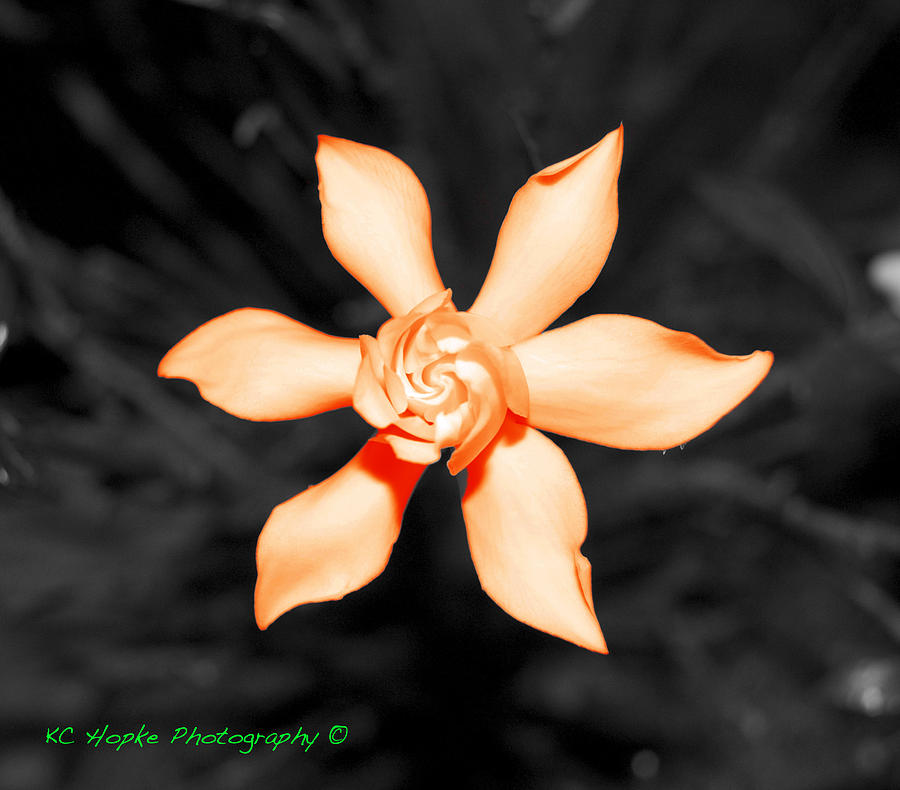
(156, 170)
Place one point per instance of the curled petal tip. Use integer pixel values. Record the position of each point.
(596, 643)
(262, 623)
(765, 360)
(328, 138)
(761, 363)
(454, 465)
(324, 141)
(172, 365)
(162, 368)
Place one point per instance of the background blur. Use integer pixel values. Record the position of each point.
(156, 168)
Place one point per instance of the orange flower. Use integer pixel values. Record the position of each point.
(482, 381)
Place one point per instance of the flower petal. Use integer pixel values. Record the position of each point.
(409, 448)
(526, 520)
(262, 365)
(554, 241)
(628, 382)
(334, 537)
(376, 222)
(515, 385)
(485, 401)
(391, 331)
(369, 397)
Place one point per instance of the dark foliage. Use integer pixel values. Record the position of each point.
(156, 167)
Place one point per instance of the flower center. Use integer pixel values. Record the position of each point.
(436, 378)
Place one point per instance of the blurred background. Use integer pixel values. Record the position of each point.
(156, 170)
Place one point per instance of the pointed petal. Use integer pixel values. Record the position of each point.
(334, 537)
(554, 241)
(377, 222)
(261, 365)
(526, 520)
(627, 382)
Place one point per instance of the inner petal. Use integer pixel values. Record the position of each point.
(452, 344)
(447, 379)
(447, 428)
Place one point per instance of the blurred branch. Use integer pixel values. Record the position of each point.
(131, 383)
(298, 29)
(870, 597)
(264, 119)
(865, 535)
(356, 43)
(830, 68)
(18, 23)
(667, 489)
(659, 81)
(95, 116)
(60, 328)
(528, 141)
(262, 185)
(828, 71)
(14, 466)
(771, 219)
(559, 17)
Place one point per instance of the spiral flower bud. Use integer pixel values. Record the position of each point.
(438, 378)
